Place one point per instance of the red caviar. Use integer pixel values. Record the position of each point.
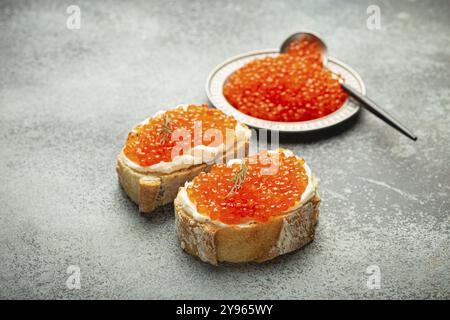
(292, 86)
(151, 143)
(273, 184)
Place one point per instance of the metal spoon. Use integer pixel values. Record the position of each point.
(363, 100)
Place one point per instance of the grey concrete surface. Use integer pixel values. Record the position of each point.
(68, 98)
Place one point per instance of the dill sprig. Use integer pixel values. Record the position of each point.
(238, 179)
(166, 129)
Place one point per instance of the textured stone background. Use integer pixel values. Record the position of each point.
(68, 98)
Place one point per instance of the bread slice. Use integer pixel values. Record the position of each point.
(151, 190)
(256, 242)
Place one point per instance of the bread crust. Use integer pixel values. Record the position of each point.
(257, 242)
(152, 190)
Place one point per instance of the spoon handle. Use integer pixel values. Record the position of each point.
(378, 111)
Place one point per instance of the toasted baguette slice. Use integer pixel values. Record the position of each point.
(214, 241)
(154, 189)
(151, 190)
(257, 242)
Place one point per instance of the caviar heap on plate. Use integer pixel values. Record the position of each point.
(289, 87)
(151, 142)
(261, 186)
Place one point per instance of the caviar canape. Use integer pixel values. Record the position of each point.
(248, 210)
(174, 146)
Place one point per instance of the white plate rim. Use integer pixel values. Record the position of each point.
(349, 109)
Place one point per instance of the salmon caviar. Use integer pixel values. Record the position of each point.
(272, 185)
(292, 86)
(151, 142)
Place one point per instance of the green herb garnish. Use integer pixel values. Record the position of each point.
(166, 129)
(238, 179)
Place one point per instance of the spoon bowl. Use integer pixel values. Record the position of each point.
(308, 36)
